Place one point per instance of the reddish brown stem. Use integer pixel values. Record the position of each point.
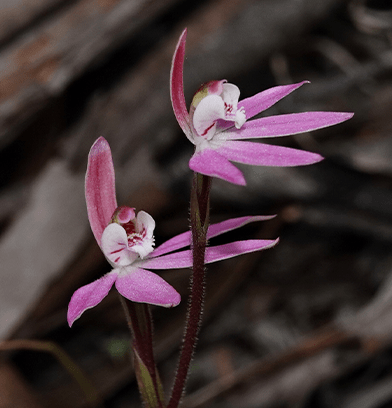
(199, 225)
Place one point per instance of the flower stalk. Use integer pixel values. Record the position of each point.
(199, 209)
(139, 321)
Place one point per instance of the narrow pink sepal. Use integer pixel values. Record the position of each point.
(139, 285)
(184, 239)
(183, 259)
(172, 244)
(89, 296)
(226, 251)
(262, 101)
(177, 87)
(177, 260)
(100, 187)
(228, 225)
(265, 99)
(261, 154)
(211, 163)
(288, 124)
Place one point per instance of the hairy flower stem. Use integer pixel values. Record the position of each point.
(139, 320)
(199, 209)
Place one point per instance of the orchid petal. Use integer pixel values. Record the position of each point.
(89, 296)
(230, 97)
(230, 94)
(211, 163)
(261, 154)
(177, 87)
(183, 259)
(184, 239)
(115, 246)
(144, 221)
(139, 285)
(262, 101)
(265, 99)
(226, 251)
(177, 260)
(289, 124)
(228, 225)
(100, 187)
(207, 112)
(145, 226)
(177, 242)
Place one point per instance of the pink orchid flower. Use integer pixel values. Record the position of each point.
(127, 241)
(217, 125)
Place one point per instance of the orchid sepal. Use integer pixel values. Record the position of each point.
(177, 87)
(183, 259)
(100, 187)
(88, 296)
(214, 230)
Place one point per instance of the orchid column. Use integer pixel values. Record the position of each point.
(217, 126)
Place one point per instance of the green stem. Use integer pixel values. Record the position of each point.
(139, 320)
(199, 210)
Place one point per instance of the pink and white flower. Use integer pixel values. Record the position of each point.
(217, 124)
(127, 241)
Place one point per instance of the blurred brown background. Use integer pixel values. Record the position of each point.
(306, 324)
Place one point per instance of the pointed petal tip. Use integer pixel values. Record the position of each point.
(308, 158)
(99, 146)
(70, 321)
(319, 158)
(184, 33)
(180, 47)
(266, 217)
(174, 302)
(240, 181)
(72, 315)
(273, 243)
(101, 139)
(348, 115)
